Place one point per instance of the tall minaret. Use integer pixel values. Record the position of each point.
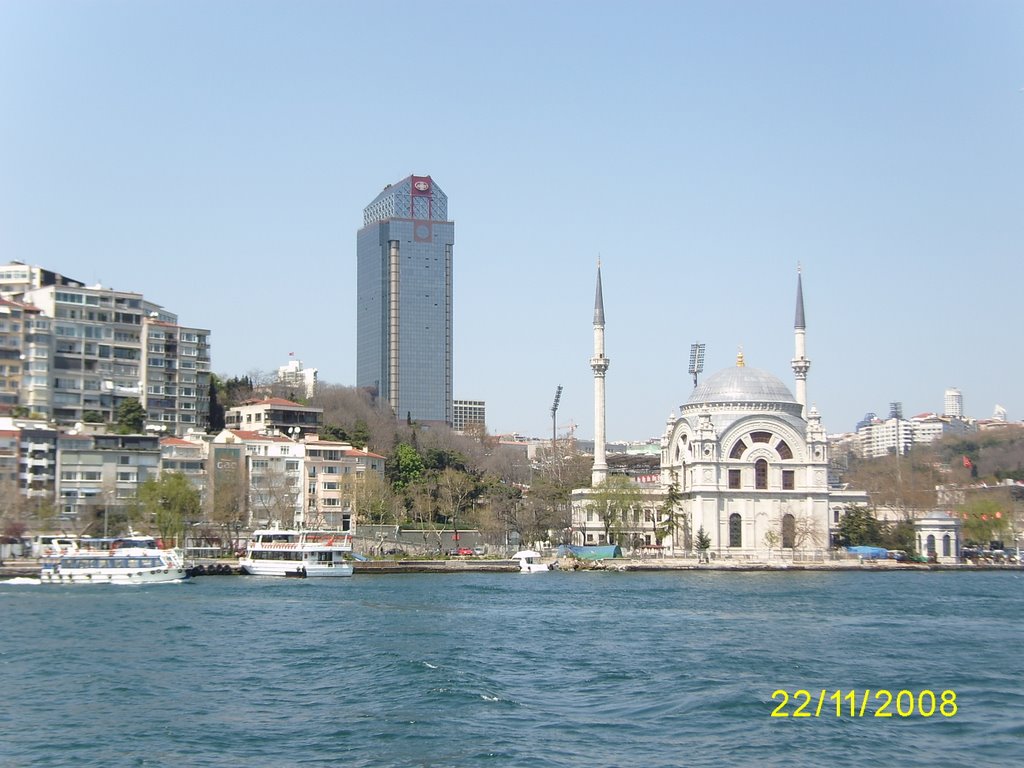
(599, 364)
(800, 362)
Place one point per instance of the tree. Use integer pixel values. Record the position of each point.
(703, 544)
(771, 540)
(92, 417)
(131, 417)
(456, 491)
(859, 527)
(669, 526)
(170, 501)
(985, 517)
(404, 467)
(613, 501)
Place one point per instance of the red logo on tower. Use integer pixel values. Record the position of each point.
(421, 185)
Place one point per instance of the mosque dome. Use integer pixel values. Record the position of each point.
(741, 384)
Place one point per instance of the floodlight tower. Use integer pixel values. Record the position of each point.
(554, 421)
(696, 361)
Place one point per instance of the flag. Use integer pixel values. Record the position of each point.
(967, 463)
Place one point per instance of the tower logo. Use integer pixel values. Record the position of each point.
(422, 186)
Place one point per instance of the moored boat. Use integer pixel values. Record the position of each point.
(136, 560)
(529, 562)
(298, 553)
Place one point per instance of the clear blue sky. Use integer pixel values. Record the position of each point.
(216, 156)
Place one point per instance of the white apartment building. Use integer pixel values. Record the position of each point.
(300, 379)
(953, 403)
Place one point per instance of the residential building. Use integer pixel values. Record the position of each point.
(176, 376)
(87, 349)
(335, 473)
(186, 457)
(273, 473)
(98, 475)
(12, 352)
(404, 300)
(953, 403)
(469, 414)
(275, 414)
(301, 380)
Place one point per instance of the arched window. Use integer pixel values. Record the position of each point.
(761, 474)
(947, 549)
(785, 452)
(735, 530)
(931, 545)
(761, 437)
(737, 450)
(788, 531)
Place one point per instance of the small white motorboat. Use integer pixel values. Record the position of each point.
(529, 562)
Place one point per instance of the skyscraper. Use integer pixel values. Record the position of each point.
(404, 300)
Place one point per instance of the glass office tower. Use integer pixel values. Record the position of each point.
(404, 300)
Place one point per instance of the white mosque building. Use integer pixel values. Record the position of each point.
(744, 467)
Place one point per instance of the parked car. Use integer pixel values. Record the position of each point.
(463, 552)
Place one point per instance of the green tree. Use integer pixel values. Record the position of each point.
(405, 467)
(703, 543)
(170, 501)
(858, 527)
(131, 417)
(92, 417)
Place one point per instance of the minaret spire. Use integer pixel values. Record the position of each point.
(800, 362)
(599, 365)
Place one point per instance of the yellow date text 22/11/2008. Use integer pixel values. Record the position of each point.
(866, 703)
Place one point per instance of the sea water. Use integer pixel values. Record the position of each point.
(568, 670)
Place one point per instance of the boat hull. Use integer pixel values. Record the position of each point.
(294, 569)
(106, 576)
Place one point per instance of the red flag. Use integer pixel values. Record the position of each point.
(967, 462)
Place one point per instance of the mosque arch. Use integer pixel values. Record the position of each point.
(947, 549)
(735, 530)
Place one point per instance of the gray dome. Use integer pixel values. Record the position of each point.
(741, 384)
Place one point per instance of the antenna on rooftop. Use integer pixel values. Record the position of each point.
(696, 360)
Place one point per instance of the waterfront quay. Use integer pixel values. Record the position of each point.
(29, 568)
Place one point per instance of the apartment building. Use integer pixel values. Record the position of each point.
(275, 414)
(84, 350)
(99, 475)
(334, 473)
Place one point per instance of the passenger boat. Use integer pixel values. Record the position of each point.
(298, 553)
(133, 560)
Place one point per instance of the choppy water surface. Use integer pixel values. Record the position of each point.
(564, 670)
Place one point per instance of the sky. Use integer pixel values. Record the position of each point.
(217, 156)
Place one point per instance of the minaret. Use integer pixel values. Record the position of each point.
(800, 362)
(599, 364)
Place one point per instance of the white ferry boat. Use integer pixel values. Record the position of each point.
(298, 553)
(134, 560)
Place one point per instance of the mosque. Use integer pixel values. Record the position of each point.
(744, 468)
